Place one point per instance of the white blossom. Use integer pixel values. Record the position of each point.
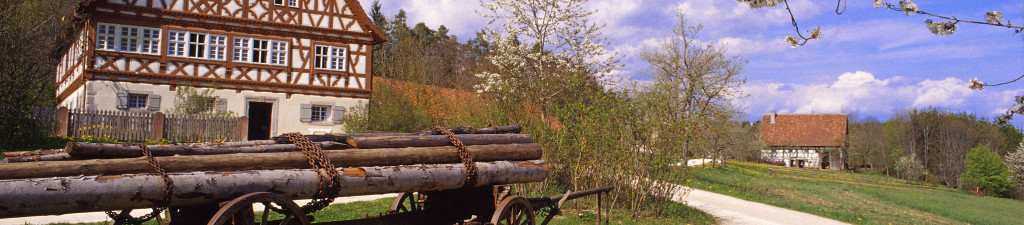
(792, 41)
(977, 85)
(754, 4)
(994, 17)
(941, 28)
(879, 3)
(816, 33)
(908, 7)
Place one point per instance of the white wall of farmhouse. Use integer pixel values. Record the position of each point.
(285, 113)
(791, 158)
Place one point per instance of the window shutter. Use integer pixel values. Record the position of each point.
(339, 114)
(90, 102)
(154, 102)
(222, 105)
(306, 113)
(122, 100)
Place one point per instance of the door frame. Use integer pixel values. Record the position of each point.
(275, 104)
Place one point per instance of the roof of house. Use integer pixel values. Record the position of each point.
(804, 130)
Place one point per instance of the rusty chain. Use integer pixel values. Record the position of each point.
(467, 160)
(330, 179)
(168, 193)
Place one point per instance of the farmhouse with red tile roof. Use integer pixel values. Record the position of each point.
(804, 140)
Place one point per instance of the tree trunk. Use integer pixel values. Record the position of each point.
(436, 140)
(82, 150)
(33, 153)
(60, 195)
(269, 161)
(510, 129)
(36, 158)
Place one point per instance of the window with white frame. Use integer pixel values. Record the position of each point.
(136, 101)
(260, 51)
(129, 39)
(106, 36)
(196, 45)
(330, 58)
(319, 113)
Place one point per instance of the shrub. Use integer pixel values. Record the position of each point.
(909, 168)
(985, 169)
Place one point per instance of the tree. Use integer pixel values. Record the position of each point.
(693, 87)
(542, 49)
(1015, 163)
(33, 36)
(909, 168)
(191, 100)
(986, 170)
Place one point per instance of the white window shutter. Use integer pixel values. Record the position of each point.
(222, 105)
(154, 102)
(306, 113)
(339, 114)
(122, 100)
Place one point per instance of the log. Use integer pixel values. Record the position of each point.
(436, 140)
(36, 158)
(61, 195)
(510, 129)
(33, 153)
(82, 150)
(269, 161)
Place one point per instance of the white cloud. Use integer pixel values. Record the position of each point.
(862, 92)
(459, 16)
(748, 47)
(723, 16)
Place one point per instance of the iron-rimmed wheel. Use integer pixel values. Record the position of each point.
(408, 202)
(239, 211)
(514, 210)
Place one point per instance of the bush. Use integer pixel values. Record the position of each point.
(985, 170)
(909, 168)
(1015, 162)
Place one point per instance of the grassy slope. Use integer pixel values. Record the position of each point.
(675, 214)
(856, 203)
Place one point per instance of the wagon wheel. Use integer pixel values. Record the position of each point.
(239, 211)
(408, 202)
(514, 210)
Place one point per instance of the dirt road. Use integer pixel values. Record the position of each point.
(730, 210)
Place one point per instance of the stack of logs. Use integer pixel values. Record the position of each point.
(87, 177)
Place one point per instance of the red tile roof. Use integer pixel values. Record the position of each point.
(804, 130)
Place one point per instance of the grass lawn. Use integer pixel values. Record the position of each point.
(675, 214)
(853, 202)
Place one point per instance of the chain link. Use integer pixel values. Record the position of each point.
(168, 192)
(330, 179)
(467, 160)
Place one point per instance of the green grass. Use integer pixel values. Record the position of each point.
(675, 213)
(853, 201)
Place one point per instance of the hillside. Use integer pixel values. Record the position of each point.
(853, 198)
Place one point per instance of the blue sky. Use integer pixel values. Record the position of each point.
(870, 62)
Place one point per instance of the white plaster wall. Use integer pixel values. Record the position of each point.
(285, 115)
(811, 157)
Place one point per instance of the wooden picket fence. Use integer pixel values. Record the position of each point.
(112, 125)
(200, 128)
(143, 126)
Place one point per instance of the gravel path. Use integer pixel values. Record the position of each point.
(101, 217)
(731, 210)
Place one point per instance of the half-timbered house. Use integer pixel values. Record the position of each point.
(804, 140)
(289, 65)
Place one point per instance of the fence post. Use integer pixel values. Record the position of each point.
(62, 122)
(156, 131)
(243, 128)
